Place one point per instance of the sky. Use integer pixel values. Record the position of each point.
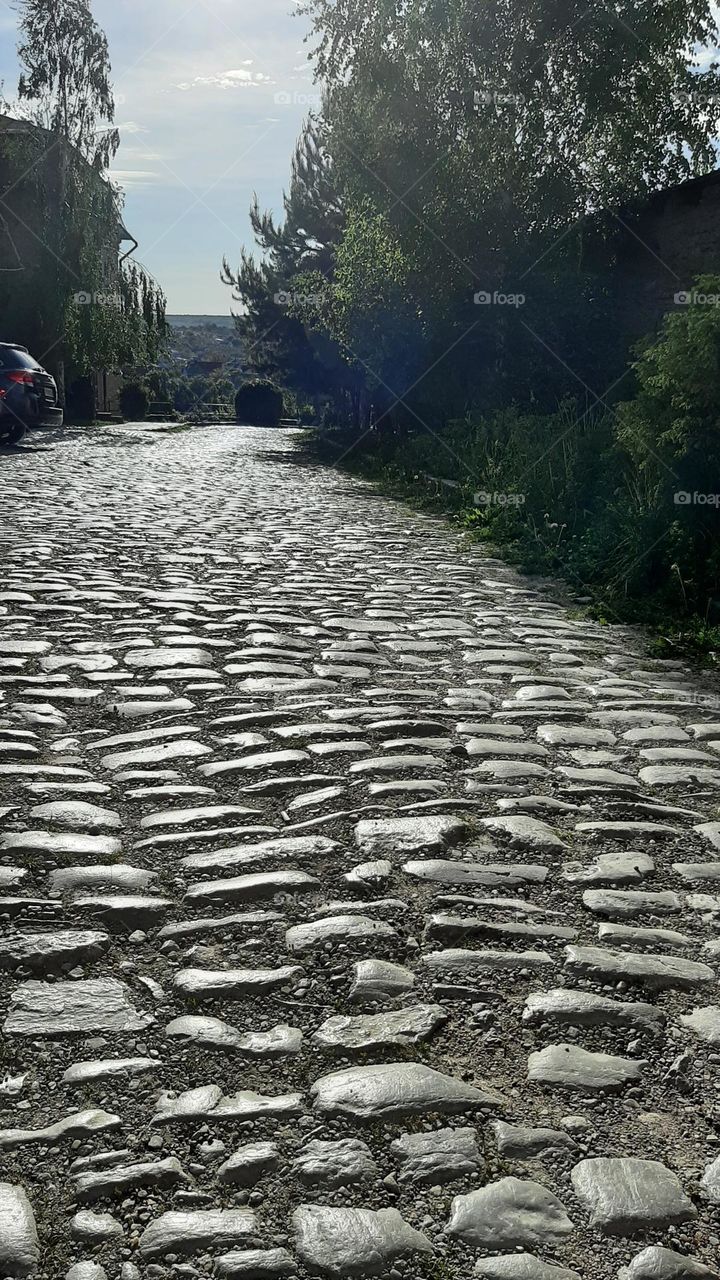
(210, 99)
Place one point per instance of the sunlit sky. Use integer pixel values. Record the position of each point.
(211, 95)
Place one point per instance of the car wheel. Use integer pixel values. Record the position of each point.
(16, 432)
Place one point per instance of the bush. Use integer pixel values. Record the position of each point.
(259, 404)
(134, 402)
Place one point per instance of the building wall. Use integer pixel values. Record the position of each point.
(662, 250)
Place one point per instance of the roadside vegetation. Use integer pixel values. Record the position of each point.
(433, 287)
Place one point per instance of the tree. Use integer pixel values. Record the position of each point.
(565, 106)
(276, 308)
(66, 76)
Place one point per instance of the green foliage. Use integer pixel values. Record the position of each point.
(66, 76)
(259, 403)
(134, 401)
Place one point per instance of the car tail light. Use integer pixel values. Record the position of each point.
(21, 376)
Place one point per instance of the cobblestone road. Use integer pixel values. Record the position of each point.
(359, 905)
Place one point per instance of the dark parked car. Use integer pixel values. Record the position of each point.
(28, 394)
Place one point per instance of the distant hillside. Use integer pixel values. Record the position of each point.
(198, 322)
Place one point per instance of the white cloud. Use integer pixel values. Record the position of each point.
(238, 78)
(135, 177)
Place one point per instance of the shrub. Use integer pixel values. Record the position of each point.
(259, 404)
(134, 402)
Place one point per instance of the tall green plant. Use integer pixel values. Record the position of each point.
(65, 79)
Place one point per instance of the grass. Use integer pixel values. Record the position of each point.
(534, 548)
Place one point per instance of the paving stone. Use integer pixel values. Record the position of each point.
(184, 749)
(481, 873)
(625, 903)
(710, 1182)
(704, 1023)
(444, 1155)
(205, 984)
(570, 1067)
(380, 836)
(658, 1263)
(45, 951)
(526, 833)
(653, 971)
(122, 912)
(508, 1214)
(561, 735)
(395, 1028)
(253, 763)
(19, 1244)
(148, 659)
(368, 874)
(196, 1232)
(380, 980)
(395, 1090)
(12, 876)
(522, 1266)
(303, 848)
(97, 1184)
(212, 1033)
(250, 888)
(220, 924)
(522, 1143)
(95, 1228)
(256, 1264)
(350, 1242)
(58, 844)
(82, 1124)
(138, 708)
(119, 876)
(610, 868)
(497, 749)
(453, 959)
(326, 1165)
(698, 871)
(207, 1102)
(307, 937)
(249, 1164)
(76, 814)
(627, 1195)
(632, 936)
(667, 775)
(446, 928)
(106, 1068)
(67, 1008)
(629, 832)
(584, 1009)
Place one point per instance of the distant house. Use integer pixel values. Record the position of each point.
(34, 274)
